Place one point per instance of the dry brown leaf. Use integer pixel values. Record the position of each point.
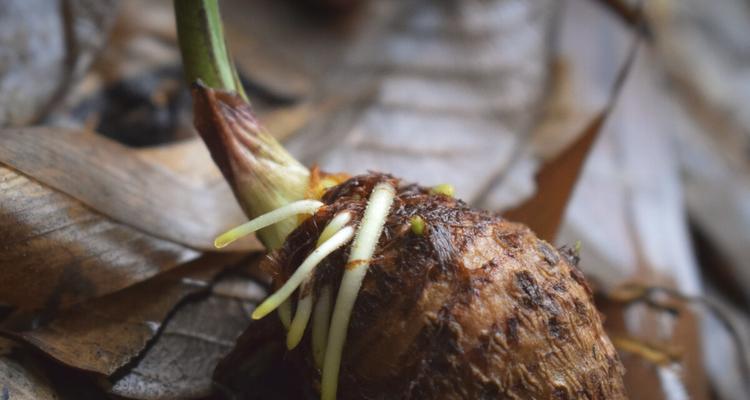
(357, 133)
(44, 48)
(102, 335)
(613, 234)
(201, 331)
(115, 181)
(672, 301)
(639, 160)
(543, 212)
(21, 379)
(555, 180)
(700, 45)
(433, 92)
(313, 44)
(26, 376)
(647, 362)
(57, 252)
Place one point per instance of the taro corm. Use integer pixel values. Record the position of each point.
(391, 290)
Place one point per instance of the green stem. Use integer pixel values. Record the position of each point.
(263, 175)
(204, 50)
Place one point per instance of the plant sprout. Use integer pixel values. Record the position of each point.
(460, 302)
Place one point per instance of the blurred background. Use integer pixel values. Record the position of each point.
(101, 170)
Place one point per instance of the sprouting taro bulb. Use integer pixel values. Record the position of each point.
(474, 307)
(402, 292)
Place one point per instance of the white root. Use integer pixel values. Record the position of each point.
(285, 313)
(363, 248)
(336, 224)
(267, 219)
(339, 239)
(299, 323)
(304, 305)
(321, 320)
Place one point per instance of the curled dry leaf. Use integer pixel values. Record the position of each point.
(103, 334)
(201, 331)
(57, 252)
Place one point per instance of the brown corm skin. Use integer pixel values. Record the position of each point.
(476, 307)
